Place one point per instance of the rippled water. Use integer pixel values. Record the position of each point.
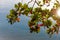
(19, 31)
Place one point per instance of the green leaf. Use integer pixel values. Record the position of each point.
(47, 23)
(20, 4)
(12, 11)
(16, 6)
(25, 6)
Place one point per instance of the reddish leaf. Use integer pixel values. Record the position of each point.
(40, 24)
(31, 11)
(18, 19)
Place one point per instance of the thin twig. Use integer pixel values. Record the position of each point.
(30, 1)
(37, 3)
(34, 3)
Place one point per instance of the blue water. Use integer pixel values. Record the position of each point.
(19, 31)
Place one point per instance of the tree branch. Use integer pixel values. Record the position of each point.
(30, 1)
(34, 3)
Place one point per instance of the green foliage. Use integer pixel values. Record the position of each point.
(16, 6)
(47, 23)
(37, 15)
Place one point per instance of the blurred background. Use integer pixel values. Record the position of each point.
(19, 31)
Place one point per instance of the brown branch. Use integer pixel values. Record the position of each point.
(30, 1)
(38, 3)
(34, 3)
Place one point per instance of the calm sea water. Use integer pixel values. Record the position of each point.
(19, 31)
